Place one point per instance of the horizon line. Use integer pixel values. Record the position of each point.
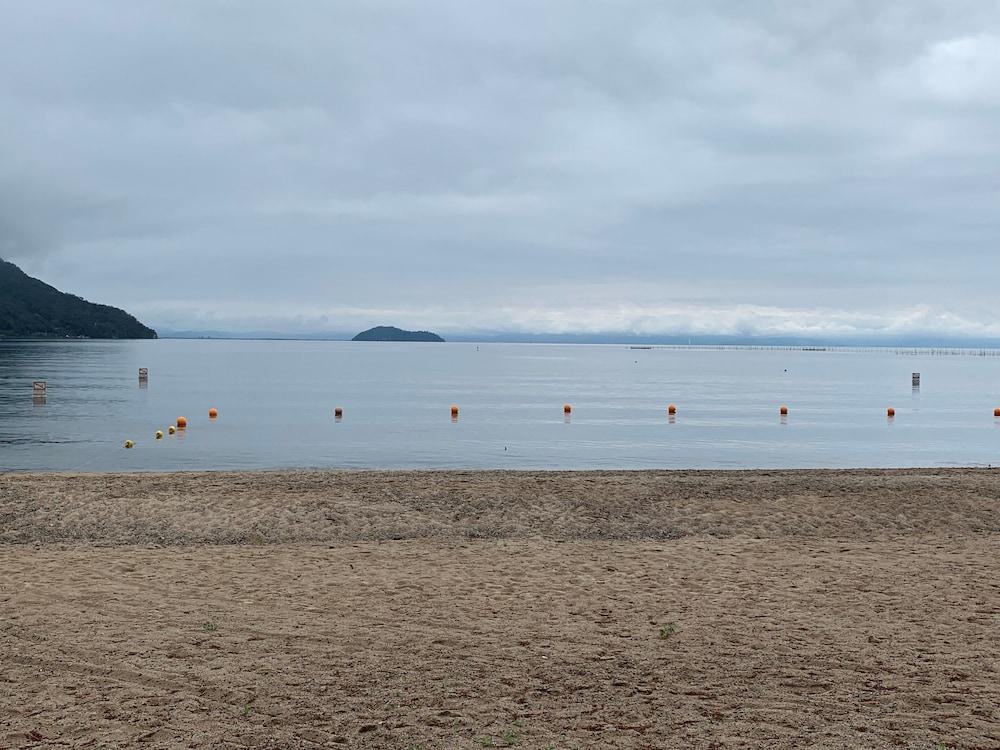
(928, 340)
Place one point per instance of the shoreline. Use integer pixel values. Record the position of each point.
(500, 470)
(458, 471)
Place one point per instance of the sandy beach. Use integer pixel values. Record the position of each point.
(823, 609)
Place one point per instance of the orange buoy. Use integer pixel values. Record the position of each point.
(996, 412)
(567, 409)
(213, 413)
(338, 412)
(783, 410)
(182, 423)
(671, 409)
(454, 410)
(890, 412)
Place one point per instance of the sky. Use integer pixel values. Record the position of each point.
(767, 168)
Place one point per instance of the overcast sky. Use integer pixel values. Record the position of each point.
(823, 167)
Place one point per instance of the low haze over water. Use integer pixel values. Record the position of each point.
(276, 402)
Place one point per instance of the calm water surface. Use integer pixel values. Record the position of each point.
(276, 401)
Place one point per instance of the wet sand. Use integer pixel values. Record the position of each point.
(830, 609)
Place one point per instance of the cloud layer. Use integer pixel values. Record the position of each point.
(645, 166)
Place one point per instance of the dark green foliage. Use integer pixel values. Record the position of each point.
(30, 308)
(391, 333)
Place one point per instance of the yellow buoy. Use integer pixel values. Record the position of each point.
(213, 413)
(171, 429)
(159, 434)
(129, 443)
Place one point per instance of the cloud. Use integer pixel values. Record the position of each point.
(579, 166)
(961, 70)
(649, 320)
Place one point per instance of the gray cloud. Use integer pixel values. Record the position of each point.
(648, 166)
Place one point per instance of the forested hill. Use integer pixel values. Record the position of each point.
(391, 333)
(30, 308)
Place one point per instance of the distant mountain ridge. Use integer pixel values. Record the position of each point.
(391, 333)
(918, 341)
(30, 308)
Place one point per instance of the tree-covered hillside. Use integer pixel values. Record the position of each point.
(32, 308)
(391, 333)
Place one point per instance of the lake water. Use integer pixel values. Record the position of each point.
(276, 401)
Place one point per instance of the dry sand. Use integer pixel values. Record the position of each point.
(468, 609)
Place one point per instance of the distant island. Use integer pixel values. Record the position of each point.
(30, 308)
(391, 333)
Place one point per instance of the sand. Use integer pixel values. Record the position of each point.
(467, 609)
